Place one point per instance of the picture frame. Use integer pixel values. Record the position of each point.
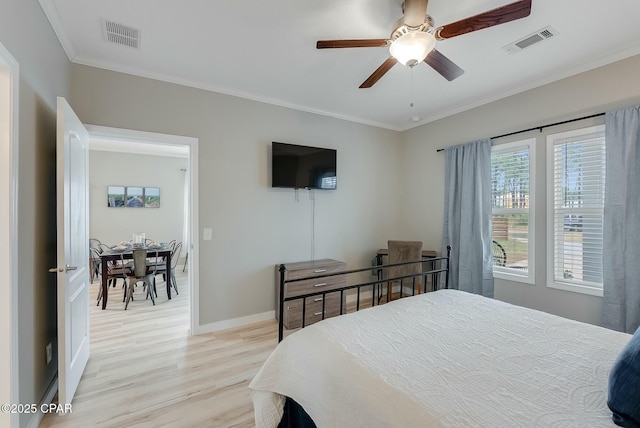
(116, 196)
(135, 197)
(152, 197)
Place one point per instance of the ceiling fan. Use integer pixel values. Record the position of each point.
(414, 37)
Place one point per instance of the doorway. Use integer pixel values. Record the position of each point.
(8, 233)
(118, 140)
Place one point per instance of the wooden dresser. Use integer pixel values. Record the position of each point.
(313, 311)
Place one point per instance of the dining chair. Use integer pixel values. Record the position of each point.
(94, 263)
(159, 262)
(162, 269)
(94, 243)
(95, 248)
(115, 268)
(401, 252)
(139, 273)
(114, 271)
(102, 247)
(153, 244)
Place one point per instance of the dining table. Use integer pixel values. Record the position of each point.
(110, 256)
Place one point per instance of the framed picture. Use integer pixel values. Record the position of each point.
(135, 197)
(152, 197)
(115, 196)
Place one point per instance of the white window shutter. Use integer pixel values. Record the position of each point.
(578, 208)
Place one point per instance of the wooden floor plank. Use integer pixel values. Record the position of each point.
(146, 370)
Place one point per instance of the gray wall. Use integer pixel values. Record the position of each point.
(44, 74)
(255, 226)
(112, 225)
(595, 91)
(390, 184)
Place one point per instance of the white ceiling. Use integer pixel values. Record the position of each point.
(265, 50)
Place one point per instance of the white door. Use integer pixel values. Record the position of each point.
(73, 250)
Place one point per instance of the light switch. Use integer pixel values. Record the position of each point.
(207, 234)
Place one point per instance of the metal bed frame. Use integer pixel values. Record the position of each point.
(433, 273)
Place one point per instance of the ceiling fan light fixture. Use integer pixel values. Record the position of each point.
(412, 48)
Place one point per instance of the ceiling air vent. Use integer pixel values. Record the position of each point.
(121, 34)
(533, 38)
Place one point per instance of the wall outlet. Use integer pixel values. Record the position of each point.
(49, 352)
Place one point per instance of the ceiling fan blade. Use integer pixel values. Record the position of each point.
(381, 71)
(443, 65)
(500, 15)
(354, 43)
(415, 12)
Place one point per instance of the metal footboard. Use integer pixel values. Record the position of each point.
(438, 266)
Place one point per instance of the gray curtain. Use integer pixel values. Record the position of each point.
(467, 216)
(621, 262)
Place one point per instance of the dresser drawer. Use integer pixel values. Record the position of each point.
(313, 310)
(292, 311)
(307, 286)
(317, 269)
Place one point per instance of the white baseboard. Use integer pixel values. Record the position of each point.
(48, 398)
(235, 322)
(352, 297)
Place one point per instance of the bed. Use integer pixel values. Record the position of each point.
(446, 358)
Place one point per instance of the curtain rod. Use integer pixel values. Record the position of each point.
(540, 128)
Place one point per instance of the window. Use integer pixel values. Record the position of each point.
(576, 173)
(512, 193)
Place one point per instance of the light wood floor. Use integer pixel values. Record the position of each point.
(146, 370)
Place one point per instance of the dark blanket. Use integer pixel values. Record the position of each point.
(294, 416)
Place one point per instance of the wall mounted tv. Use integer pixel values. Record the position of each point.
(303, 167)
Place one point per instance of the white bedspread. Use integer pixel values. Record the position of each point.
(442, 359)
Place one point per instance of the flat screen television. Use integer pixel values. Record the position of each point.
(303, 167)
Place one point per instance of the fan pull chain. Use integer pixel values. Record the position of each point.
(411, 89)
